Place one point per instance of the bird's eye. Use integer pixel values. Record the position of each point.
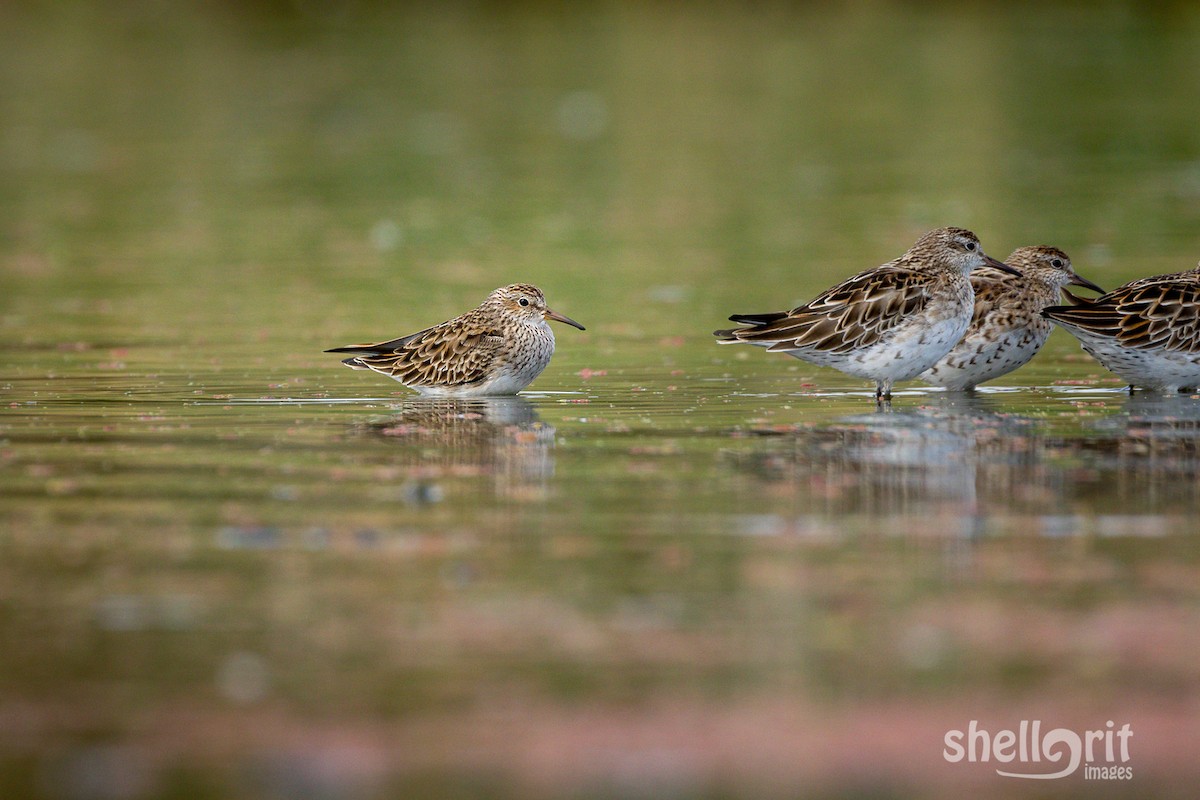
(971, 246)
(524, 301)
(1057, 263)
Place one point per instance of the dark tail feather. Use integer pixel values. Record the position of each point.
(755, 321)
(1054, 312)
(1076, 300)
(379, 348)
(758, 319)
(1076, 306)
(360, 349)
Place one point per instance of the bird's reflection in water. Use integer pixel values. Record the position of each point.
(1147, 456)
(961, 463)
(913, 462)
(1173, 418)
(462, 437)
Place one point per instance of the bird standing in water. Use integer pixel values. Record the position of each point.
(495, 349)
(1147, 331)
(887, 324)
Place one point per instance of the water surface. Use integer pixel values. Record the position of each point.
(233, 568)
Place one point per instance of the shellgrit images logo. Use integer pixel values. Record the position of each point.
(1028, 752)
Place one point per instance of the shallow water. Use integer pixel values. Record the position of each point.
(232, 568)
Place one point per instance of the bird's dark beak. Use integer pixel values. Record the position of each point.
(1000, 265)
(1078, 281)
(557, 317)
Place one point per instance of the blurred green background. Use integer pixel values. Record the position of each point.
(364, 161)
(231, 568)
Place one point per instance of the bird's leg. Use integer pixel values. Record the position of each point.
(883, 392)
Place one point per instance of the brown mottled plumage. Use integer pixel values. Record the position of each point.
(886, 324)
(495, 349)
(1147, 331)
(1007, 328)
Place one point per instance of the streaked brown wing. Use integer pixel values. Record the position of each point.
(856, 313)
(1166, 316)
(1163, 314)
(451, 354)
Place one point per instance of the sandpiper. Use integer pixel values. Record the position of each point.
(887, 324)
(1007, 328)
(495, 349)
(1147, 331)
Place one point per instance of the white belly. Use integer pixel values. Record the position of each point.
(914, 348)
(1169, 370)
(983, 355)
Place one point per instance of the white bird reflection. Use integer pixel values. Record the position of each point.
(1148, 455)
(962, 465)
(1171, 417)
(462, 437)
(918, 461)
